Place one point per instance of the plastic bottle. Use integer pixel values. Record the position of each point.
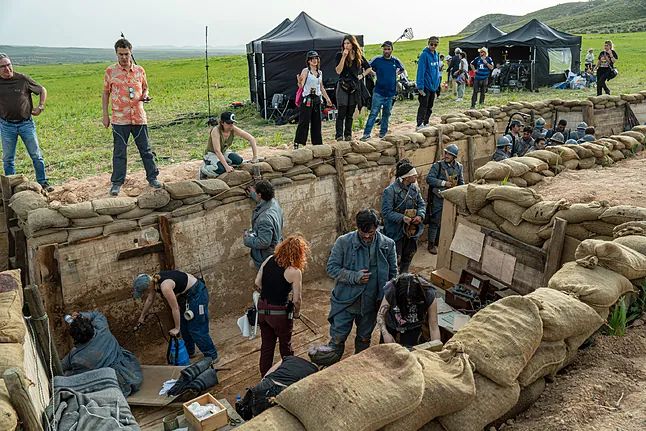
(69, 319)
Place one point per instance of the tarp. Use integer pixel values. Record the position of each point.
(280, 27)
(478, 39)
(536, 33)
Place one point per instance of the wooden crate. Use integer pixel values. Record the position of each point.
(212, 423)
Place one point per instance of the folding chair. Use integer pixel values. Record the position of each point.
(279, 104)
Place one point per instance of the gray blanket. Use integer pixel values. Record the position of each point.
(90, 401)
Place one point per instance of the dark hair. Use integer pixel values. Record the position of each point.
(528, 129)
(463, 55)
(589, 131)
(403, 167)
(358, 52)
(122, 43)
(562, 122)
(366, 219)
(265, 189)
(540, 138)
(433, 38)
(81, 330)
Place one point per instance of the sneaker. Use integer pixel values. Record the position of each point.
(364, 138)
(459, 99)
(47, 187)
(347, 138)
(382, 136)
(339, 138)
(155, 184)
(473, 106)
(115, 189)
(421, 126)
(432, 250)
(295, 146)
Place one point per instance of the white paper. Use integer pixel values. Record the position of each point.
(468, 242)
(498, 264)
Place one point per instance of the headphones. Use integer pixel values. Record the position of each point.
(188, 314)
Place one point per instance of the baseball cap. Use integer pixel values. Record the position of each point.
(387, 44)
(228, 117)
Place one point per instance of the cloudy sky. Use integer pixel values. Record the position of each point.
(96, 23)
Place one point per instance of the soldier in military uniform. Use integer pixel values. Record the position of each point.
(539, 129)
(443, 175)
(503, 149)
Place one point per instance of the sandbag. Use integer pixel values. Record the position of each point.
(354, 158)
(571, 164)
(546, 362)
(528, 396)
(547, 173)
(616, 155)
(12, 325)
(525, 232)
(154, 198)
(587, 163)
(582, 152)
(114, 206)
(23, 202)
(599, 151)
(52, 238)
(613, 256)
(301, 156)
(273, 419)
(599, 227)
(28, 185)
(298, 170)
(458, 196)
(11, 355)
(321, 151)
(324, 170)
(578, 231)
(534, 164)
(79, 210)
(630, 228)
(564, 152)
(634, 242)
(192, 201)
(574, 343)
(449, 387)
(532, 178)
(493, 171)
(8, 416)
(542, 212)
(477, 196)
(509, 211)
(353, 394)
(135, 213)
(119, 226)
(491, 402)
(640, 137)
(481, 221)
(548, 157)
(598, 287)
(520, 196)
(362, 147)
(81, 234)
(518, 181)
(488, 212)
(498, 352)
(578, 213)
(563, 316)
(623, 213)
(45, 218)
(518, 169)
(92, 221)
(186, 189)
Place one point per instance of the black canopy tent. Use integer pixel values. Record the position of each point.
(280, 56)
(251, 61)
(549, 52)
(470, 44)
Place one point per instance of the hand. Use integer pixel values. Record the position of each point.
(346, 52)
(407, 220)
(106, 121)
(297, 315)
(75, 314)
(422, 93)
(228, 168)
(417, 220)
(329, 102)
(387, 337)
(36, 111)
(365, 277)
(249, 190)
(174, 332)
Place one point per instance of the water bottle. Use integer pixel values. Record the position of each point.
(69, 319)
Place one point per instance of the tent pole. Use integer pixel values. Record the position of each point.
(264, 85)
(533, 80)
(255, 78)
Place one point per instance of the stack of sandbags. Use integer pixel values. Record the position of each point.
(510, 203)
(583, 221)
(613, 256)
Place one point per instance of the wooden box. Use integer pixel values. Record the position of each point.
(211, 423)
(444, 278)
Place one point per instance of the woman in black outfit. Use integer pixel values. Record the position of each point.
(311, 81)
(351, 66)
(606, 67)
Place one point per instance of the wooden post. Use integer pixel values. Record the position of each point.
(401, 152)
(341, 194)
(21, 254)
(554, 252)
(9, 215)
(588, 115)
(17, 387)
(438, 150)
(168, 257)
(470, 158)
(40, 322)
(447, 229)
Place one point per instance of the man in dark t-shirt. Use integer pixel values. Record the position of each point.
(408, 304)
(16, 111)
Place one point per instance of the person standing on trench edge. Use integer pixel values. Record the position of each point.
(126, 86)
(279, 278)
(188, 299)
(403, 210)
(428, 81)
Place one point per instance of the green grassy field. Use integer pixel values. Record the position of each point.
(75, 144)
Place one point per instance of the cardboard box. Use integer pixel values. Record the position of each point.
(444, 278)
(211, 423)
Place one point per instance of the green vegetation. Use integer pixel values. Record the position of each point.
(617, 319)
(595, 16)
(75, 144)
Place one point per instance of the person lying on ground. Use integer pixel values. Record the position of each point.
(408, 304)
(188, 299)
(218, 158)
(266, 223)
(95, 347)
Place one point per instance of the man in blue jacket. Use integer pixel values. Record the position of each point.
(483, 65)
(266, 223)
(387, 68)
(403, 210)
(428, 80)
(361, 263)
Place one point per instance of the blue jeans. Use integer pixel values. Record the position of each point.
(196, 331)
(379, 102)
(233, 159)
(26, 129)
(341, 326)
(120, 135)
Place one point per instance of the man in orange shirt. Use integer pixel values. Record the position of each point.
(125, 85)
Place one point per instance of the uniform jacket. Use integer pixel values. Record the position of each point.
(267, 230)
(499, 155)
(440, 171)
(395, 199)
(522, 147)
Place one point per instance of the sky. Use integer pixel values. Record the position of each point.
(232, 23)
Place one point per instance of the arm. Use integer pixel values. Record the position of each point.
(432, 177)
(392, 261)
(105, 99)
(339, 67)
(473, 66)
(167, 291)
(249, 137)
(98, 319)
(295, 277)
(489, 63)
(381, 321)
(421, 204)
(263, 235)
(461, 176)
(335, 267)
(259, 276)
(301, 78)
(421, 71)
(41, 102)
(433, 327)
(325, 95)
(144, 87)
(387, 205)
(149, 302)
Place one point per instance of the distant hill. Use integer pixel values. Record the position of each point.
(25, 55)
(595, 16)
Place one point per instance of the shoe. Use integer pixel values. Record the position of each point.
(155, 184)
(295, 146)
(432, 250)
(459, 99)
(347, 138)
(339, 138)
(382, 136)
(364, 138)
(47, 187)
(420, 127)
(473, 106)
(115, 189)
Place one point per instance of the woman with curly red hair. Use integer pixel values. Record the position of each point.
(280, 276)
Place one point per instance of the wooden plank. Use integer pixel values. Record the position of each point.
(158, 247)
(167, 257)
(21, 254)
(9, 214)
(17, 388)
(553, 261)
(588, 115)
(447, 229)
(439, 148)
(40, 323)
(153, 378)
(470, 159)
(341, 194)
(513, 241)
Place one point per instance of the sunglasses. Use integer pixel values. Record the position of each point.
(433, 44)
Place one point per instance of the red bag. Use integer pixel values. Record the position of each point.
(299, 96)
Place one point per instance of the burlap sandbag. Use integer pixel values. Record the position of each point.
(598, 150)
(634, 242)
(155, 198)
(45, 218)
(534, 164)
(575, 230)
(493, 171)
(518, 195)
(583, 153)
(616, 155)
(23, 202)
(509, 211)
(547, 173)
(324, 170)
(599, 227)
(184, 189)
(114, 206)
(525, 232)
(571, 164)
(628, 141)
(488, 212)
(79, 210)
(518, 181)
(433, 425)
(477, 196)
(137, 213)
(630, 228)
(548, 157)
(354, 158)
(92, 221)
(542, 212)
(498, 352)
(8, 416)
(491, 402)
(613, 256)
(273, 419)
(578, 213)
(353, 393)
(11, 355)
(12, 325)
(481, 221)
(75, 235)
(546, 362)
(449, 387)
(119, 226)
(572, 347)
(532, 178)
(563, 151)
(622, 214)
(52, 238)
(323, 151)
(587, 163)
(598, 287)
(457, 196)
(528, 396)
(518, 169)
(640, 137)
(563, 316)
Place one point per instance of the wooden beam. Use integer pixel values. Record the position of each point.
(588, 115)
(168, 257)
(21, 254)
(470, 158)
(555, 251)
(439, 148)
(17, 386)
(9, 214)
(158, 247)
(447, 229)
(342, 225)
(40, 322)
(513, 241)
